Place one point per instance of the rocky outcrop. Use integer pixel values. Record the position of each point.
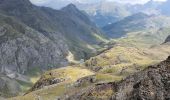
(167, 39)
(46, 82)
(150, 84)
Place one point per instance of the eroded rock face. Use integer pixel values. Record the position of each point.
(22, 53)
(151, 84)
(31, 50)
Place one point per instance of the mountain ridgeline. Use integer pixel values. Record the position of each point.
(139, 23)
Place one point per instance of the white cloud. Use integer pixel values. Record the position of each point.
(61, 2)
(135, 1)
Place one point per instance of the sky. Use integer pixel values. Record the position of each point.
(89, 1)
(65, 2)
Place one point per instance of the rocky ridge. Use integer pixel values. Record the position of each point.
(149, 84)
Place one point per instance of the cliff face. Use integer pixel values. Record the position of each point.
(23, 48)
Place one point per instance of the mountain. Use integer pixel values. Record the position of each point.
(104, 12)
(126, 25)
(47, 20)
(23, 50)
(138, 23)
(81, 32)
(34, 39)
(150, 7)
(107, 12)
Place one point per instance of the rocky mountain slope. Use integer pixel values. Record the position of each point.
(34, 39)
(70, 23)
(105, 12)
(150, 84)
(129, 23)
(23, 49)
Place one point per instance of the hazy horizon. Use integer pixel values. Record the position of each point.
(62, 3)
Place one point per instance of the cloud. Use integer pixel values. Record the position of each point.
(39, 1)
(135, 1)
(60, 3)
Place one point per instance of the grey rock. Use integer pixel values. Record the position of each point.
(167, 39)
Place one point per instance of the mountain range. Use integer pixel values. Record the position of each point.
(136, 23)
(107, 12)
(83, 51)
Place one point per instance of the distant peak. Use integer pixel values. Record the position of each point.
(70, 8)
(71, 5)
